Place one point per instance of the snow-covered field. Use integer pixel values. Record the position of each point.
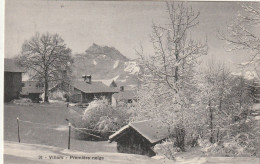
(32, 153)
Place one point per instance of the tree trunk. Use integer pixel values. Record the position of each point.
(211, 123)
(180, 137)
(46, 87)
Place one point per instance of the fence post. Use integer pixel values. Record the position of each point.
(69, 136)
(18, 129)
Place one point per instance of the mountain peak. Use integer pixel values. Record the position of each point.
(104, 62)
(111, 52)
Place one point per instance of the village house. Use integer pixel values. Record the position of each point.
(84, 91)
(12, 79)
(125, 96)
(32, 89)
(139, 137)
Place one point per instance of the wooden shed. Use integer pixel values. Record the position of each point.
(139, 137)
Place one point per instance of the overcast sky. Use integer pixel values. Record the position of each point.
(123, 25)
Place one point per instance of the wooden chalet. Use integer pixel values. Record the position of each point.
(139, 137)
(12, 79)
(86, 90)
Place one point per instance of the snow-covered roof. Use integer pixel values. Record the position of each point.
(148, 129)
(94, 87)
(107, 82)
(118, 132)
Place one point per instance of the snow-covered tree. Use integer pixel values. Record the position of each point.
(100, 115)
(227, 102)
(168, 93)
(243, 35)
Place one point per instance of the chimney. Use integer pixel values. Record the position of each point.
(122, 89)
(89, 79)
(84, 77)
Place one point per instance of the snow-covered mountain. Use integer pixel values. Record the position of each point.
(106, 63)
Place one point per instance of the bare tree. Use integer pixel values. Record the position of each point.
(169, 76)
(46, 58)
(243, 34)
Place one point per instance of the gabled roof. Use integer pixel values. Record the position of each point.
(107, 82)
(94, 87)
(148, 129)
(27, 90)
(125, 95)
(12, 66)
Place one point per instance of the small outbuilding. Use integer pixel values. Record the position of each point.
(139, 137)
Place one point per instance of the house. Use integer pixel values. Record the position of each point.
(85, 91)
(126, 96)
(139, 137)
(12, 79)
(32, 90)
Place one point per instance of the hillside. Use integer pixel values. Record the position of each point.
(106, 63)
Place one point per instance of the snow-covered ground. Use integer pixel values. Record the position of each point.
(32, 153)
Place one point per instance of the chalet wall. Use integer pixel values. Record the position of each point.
(13, 85)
